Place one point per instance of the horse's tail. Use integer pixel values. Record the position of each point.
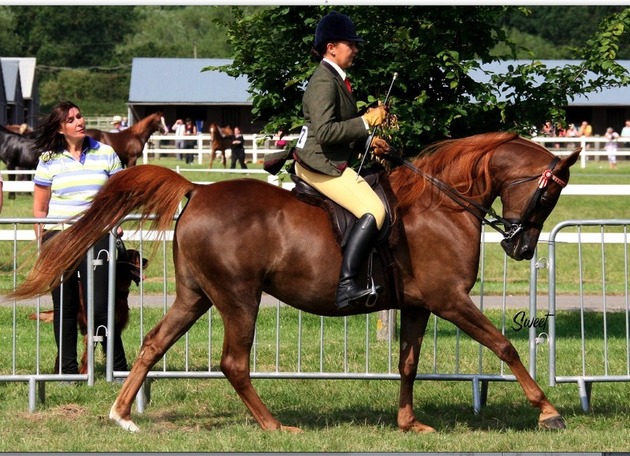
(153, 190)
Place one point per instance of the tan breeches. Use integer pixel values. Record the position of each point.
(351, 193)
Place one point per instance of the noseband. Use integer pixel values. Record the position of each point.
(510, 227)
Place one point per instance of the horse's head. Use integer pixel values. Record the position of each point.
(160, 123)
(529, 195)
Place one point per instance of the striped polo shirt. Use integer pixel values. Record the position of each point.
(73, 183)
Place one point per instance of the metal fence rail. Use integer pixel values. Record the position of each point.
(600, 317)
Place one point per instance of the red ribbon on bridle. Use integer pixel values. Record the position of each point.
(548, 174)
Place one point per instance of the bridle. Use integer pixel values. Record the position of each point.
(511, 227)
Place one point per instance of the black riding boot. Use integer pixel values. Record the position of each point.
(362, 238)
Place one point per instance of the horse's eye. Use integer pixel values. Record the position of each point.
(546, 201)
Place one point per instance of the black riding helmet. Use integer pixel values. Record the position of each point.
(335, 27)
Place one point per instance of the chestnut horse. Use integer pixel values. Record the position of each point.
(238, 238)
(221, 139)
(129, 143)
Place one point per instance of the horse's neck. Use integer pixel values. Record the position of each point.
(141, 129)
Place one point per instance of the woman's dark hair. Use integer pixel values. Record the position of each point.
(318, 54)
(48, 137)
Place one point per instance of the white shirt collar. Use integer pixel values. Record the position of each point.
(336, 67)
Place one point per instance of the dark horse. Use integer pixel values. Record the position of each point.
(128, 269)
(16, 151)
(221, 139)
(236, 239)
(130, 142)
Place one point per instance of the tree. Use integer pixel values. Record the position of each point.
(175, 31)
(435, 51)
(10, 40)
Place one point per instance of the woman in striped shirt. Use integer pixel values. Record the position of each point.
(71, 170)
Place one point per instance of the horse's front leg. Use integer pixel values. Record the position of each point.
(467, 317)
(413, 323)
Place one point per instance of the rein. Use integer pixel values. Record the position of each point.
(511, 227)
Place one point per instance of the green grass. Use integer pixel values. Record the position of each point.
(206, 415)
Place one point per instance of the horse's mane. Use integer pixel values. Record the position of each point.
(460, 163)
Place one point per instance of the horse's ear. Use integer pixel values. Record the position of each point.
(571, 159)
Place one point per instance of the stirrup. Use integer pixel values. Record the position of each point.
(374, 291)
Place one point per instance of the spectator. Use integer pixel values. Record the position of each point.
(548, 129)
(280, 143)
(572, 132)
(625, 133)
(117, 125)
(586, 131)
(179, 128)
(238, 149)
(611, 147)
(190, 129)
(71, 170)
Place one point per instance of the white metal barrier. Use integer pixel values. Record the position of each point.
(601, 309)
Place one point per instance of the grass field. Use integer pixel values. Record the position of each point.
(336, 416)
(206, 415)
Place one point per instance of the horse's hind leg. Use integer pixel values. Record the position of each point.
(180, 317)
(239, 325)
(472, 321)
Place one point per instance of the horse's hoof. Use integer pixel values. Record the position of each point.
(418, 428)
(553, 423)
(291, 429)
(127, 425)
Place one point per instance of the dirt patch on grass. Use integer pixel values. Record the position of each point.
(66, 411)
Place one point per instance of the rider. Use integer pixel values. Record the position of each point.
(333, 134)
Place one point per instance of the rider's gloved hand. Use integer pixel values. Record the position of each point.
(380, 147)
(376, 116)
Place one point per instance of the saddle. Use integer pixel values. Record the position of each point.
(342, 221)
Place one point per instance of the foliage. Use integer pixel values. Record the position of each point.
(435, 50)
(167, 31)
(562, 27)
(95, 89)
(10, 39)
(70, 36)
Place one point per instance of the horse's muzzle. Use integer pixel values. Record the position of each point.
(521, 247)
